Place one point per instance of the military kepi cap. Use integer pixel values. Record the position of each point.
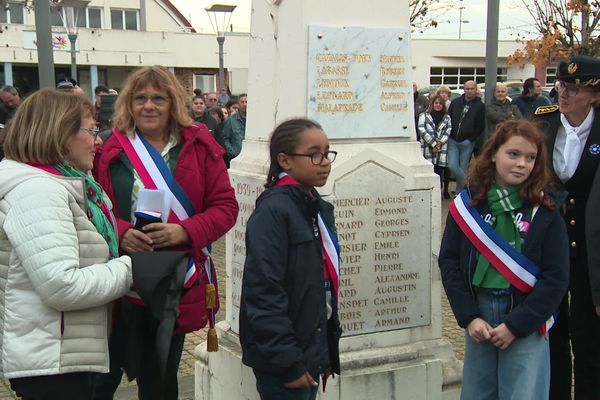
(580, 70)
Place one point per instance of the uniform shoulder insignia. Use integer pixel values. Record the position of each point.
(541, 110)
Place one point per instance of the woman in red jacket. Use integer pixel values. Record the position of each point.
(156, 149)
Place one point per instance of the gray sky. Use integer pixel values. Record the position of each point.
(513, 18)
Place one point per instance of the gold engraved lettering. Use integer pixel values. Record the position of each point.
(361, 58)
(351, 225)
(391, 234)
(393, 107)
(392, 96)
(335, 108)
(385, 59)
(332, 57)
(335, 96)
(333, 83)
(330, 70)
(400, 83)
(391, 71)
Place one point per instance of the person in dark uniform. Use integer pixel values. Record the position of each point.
(573, 136)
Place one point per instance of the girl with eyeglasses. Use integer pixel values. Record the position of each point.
(289, 326)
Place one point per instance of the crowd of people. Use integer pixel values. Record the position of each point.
(106, 236)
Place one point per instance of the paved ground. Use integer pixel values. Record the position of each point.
(128, 391)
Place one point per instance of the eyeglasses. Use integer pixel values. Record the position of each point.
(92, 131)
(317, 158)
(156, 99)
(570, 90)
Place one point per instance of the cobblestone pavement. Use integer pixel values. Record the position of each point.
(127, 391)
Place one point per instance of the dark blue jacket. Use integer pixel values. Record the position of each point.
(284, 329)
(545, 244)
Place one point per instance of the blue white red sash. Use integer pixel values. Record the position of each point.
(329, 244)
(519, 270)
(155, 174)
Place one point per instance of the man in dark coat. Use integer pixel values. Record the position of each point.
(468, 122)
(573, 139)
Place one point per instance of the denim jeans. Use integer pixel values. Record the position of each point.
(271, 388)
(522, 371)
(459, 155)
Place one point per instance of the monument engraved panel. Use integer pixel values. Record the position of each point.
(359, 81)
(247, 190)
(384, 238)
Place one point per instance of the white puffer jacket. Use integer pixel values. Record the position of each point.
(55, 282)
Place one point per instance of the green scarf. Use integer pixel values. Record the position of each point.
(502, 203)
(94, 196)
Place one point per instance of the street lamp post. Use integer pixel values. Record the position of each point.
(70, 19)
(219, 16)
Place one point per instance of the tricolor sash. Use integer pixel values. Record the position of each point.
(329, 244)
(155, 174)
(515, 267)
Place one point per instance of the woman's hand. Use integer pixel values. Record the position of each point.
(502, 337)
(479, 330)
(303, 382)
(598, 310)
(166, 235)
(134, 240)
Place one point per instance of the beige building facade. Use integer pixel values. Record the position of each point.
(117, 36)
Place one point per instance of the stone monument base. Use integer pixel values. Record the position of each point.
(422, 370)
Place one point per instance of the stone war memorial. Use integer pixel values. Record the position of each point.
(349, 69)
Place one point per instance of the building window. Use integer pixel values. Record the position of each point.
(550, 76)
(86, 17)
(125, 19)
(205, 82)
(13, 13)
(455, 77)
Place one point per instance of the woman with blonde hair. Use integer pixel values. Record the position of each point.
(156, 151)
(59, 264)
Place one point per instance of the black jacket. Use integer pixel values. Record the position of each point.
(545, 244)
(580, 183)
(472, 124)
(284, 329)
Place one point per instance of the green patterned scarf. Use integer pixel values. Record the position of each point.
(94, 196)
(502, 203)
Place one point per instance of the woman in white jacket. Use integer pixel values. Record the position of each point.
(59, 264)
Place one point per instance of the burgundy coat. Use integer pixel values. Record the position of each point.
(202, 174)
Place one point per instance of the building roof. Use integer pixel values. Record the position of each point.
(183, 21)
